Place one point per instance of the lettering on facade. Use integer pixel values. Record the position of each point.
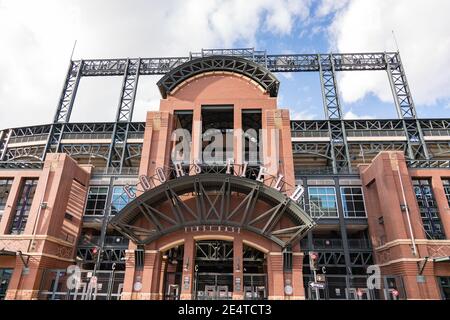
(178, 170)
(211, 228)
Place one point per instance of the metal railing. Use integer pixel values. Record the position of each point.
(111, 241)
(108, 286)
(322, 171)
(105, 171)
(14, 165)
(376, 133)
(428, 164)
(436, 133)
(353, 244)
(41, 137)
(309, 134)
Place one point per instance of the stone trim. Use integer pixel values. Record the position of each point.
(409, 242)
(36, 237)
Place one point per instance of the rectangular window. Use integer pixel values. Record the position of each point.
(446, 183)
(96, 202)
(182, 136)
(428, 209)
(322, 201)
(23, 206)
(251, 126)
(5, 188)
(119, 199)
(5, 276)
(217, 128)
(353, 202)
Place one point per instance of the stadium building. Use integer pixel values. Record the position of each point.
(328, 209)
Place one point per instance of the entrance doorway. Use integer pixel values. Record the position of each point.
(213, 278)
(213, 272)
(5, 276)
(445, 287)
(173, 271)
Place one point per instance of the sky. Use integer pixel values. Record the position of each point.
(37, 38)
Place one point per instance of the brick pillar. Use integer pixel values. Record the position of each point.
(275, 276)
(151, 269)
(188, 268)
(238, 136)
(196, 146)
(297, 276)
(157, 142)
(130, 274)
(238, 269)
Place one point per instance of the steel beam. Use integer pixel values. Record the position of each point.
(330, 95)
(64, 108)
(4, 139)
(118, 147)
(417, 148)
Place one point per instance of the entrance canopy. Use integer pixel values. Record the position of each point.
(195, 201)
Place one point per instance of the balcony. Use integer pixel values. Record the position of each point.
(110, 241)
(336, 244)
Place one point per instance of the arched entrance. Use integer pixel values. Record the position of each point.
(215, 267)
(213, 236)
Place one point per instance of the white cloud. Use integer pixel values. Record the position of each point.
(350, 115)
(423, 32)
(302, 115)
(37, 38)
(330, 6)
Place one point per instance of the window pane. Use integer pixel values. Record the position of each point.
(23, 205)
(120, 199)
(446, 183)
(322, 202)
(5, 188)
(428, 207)
(96, 202)
(353, 202)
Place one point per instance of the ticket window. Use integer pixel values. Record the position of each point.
(316, 294)
(173, 291)
(393, 294)
(222, 292)
(359, 294)
(255, 292)
(260, 292)
(210, 292)
(248, 292)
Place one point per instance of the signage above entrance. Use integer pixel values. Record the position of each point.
(214, 198)
(179, 170)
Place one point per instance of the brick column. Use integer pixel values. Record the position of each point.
(238, 269)
(237, 135)
(275, 276)
(157, 137)
(188, 268)
(130, 274)
(297, 275)
(148, 274)
(196, 146)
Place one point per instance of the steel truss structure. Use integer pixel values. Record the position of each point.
(259, 66)
(110, 141)
(365, 138)
(209, 209)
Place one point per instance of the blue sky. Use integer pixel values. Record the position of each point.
(39, 37)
